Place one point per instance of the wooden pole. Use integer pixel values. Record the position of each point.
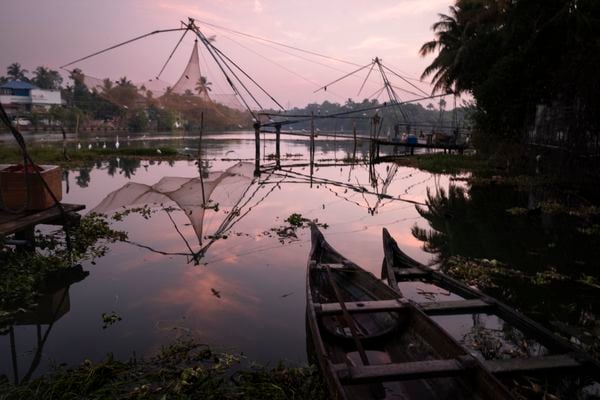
(312, 146)
(277, 145)
(354, 133)
(200, 156)
(257, 147)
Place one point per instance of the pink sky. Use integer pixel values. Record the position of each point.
(54, 32)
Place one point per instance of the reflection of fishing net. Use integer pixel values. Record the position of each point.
(224, 189)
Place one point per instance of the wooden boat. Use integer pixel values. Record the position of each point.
(462, 304)
(372, 344)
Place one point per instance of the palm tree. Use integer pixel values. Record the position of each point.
(448, 42)
(15, 72)
(203, 86)
(107, 85)
(46, 78)
(124, 82)
(460, 38)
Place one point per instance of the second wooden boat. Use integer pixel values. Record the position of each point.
(521, 346)
(372, 344)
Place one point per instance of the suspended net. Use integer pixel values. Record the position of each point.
(140, 94)
(190, 79)
(228, 189)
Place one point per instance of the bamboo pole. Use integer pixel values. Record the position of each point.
(277, 145)
(354, 133)
(200, 156)
(257, 148)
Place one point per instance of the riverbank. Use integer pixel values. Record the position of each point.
(183, 370)
(56, 155)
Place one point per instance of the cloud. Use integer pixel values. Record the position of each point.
(258, 7)
(407, 8)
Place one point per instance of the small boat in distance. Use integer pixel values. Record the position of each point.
(372, 344)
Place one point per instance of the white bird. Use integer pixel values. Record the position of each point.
(158, 151)
(89, 146)
(104, 145)
(117, 143)
(78, 146)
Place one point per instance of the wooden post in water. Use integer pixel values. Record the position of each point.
(257, 147)
(200, 156)
(312, 146)
(354, 133)
(312, 136)
(376, 120)
(277, 146)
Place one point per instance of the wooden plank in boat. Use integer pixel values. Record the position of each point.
(561, 361)
(399, 371)
(361, 306)
(404, 273)
(332, 266)
(455, 307)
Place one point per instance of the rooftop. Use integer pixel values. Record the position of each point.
(18, 85)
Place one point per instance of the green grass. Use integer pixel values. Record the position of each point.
(44, 155)
(182, 370)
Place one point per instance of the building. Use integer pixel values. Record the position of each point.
(19, 96)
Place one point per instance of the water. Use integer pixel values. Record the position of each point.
(248, 292)
(258, 276)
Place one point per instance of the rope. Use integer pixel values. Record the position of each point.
(122, 44)
(171, 55)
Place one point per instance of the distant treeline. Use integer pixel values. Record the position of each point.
(435, 117)
(122, 106)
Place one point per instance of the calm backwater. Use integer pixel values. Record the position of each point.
(247, 293)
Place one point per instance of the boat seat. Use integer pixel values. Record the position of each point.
(404, 371)
(520, 365)
(454, 307)
(406, 273)
(362, 306)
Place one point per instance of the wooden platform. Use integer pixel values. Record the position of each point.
(15, 223)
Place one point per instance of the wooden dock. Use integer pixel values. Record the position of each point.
(436, 146)
(23, 224)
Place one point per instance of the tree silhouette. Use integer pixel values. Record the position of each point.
(203, 86)
(15, 72)
(46, 78)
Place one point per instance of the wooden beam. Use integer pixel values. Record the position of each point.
(404, 273)
(456, 307)
(12, 223)
(356, 307)
(562, 361)
(399, 371)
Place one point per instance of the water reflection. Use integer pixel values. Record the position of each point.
(52, 305)
(260, 281)
(226, 192)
